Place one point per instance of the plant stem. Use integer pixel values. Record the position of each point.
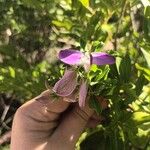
(118, 23)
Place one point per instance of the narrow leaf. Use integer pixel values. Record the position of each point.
(146, 55)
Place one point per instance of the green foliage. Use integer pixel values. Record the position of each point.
(94, 104)
(32, 31)
(124, 68)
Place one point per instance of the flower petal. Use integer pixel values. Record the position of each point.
(73, 97)
(101, 58)
(83, 93)
(70, 56)
(67, 84)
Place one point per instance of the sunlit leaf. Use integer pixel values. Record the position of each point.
(140, 83)
(85, 3)
(146, 55)
(146, 70)
(145, 2)
(12, 72)
(141, 117)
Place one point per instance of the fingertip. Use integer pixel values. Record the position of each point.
(53, 104)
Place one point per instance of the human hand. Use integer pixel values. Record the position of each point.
(46, 124)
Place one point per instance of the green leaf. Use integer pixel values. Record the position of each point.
(146, 25)
(146, 55)
(104, 74)
(140, 83)
(124, 68)
(94, 104)
(96, 74)
(145, 71)
(141, 117)
(90, 30)
(113, 71)
(147, 12)
(94, 141)
(85, 3)
(12, 72)
(94, 68)
(66, 24)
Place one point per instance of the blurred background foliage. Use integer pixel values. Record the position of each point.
(33, 31)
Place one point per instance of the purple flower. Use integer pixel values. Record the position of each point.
(66, 86)
(70, 57)
(75, 57)
(83, 93)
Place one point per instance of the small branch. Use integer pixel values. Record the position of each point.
(4, 124)
(118, 23)
(5, 112)
(136, 19)
(137, 27)
(6, 109)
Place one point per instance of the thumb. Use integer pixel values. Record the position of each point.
(71, 127)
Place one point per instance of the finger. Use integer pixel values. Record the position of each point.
(51, 104)
(94, 121)
(44, 108)
(29, 131)
(35, 120)
(97, 117)
(71, 127)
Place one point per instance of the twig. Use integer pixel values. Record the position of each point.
(6, 108)
(4, 124)
(118, 23)
(5, 112)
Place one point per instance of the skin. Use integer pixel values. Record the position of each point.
(45, 124)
